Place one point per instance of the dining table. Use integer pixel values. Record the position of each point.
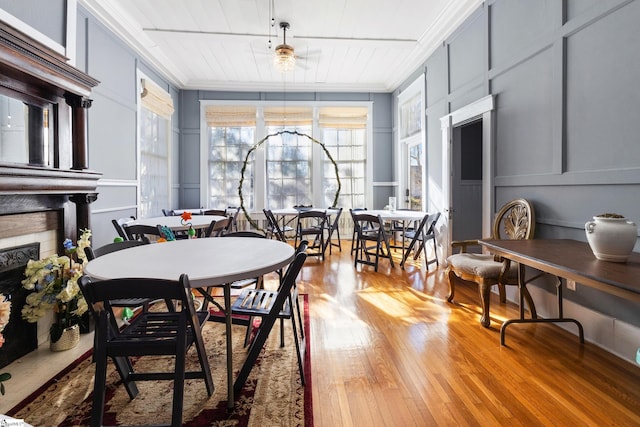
(213, 261)
(176, 223)
(193, 211)
(288, 215)
(404, 216)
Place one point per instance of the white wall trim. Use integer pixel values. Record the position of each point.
(117, 183)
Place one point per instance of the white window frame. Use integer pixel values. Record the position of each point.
(417, 88)
(139, 87)
(260, 192)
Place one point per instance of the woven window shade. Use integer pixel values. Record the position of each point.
(288, 116)
(343, 117)
(156, 100)
(230, 116)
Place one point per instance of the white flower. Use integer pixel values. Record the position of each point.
(5, 313)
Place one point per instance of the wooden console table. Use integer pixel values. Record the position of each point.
(571, 260)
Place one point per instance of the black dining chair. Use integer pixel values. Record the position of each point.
(311, 227)
(118, 224)
(218, 212)
(133, 303)
(144, 233)
(169, 333)
(333, 227)
(233, 212)
(425, 232)
(218, 228)
(355, 231)
(371, 240)
(273, 228)
(270, 306)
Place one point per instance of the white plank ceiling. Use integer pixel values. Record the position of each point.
(341, 45)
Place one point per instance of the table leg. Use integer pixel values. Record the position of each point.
(560, 319)
(227, 315)
(228, 323)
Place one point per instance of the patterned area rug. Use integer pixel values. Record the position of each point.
(273, 394)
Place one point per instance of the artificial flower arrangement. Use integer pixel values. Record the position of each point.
(5, 313)
(54, 281)
(185, 218)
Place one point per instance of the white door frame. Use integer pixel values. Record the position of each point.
(480, 109)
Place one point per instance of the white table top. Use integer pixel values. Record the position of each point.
(207, 261)
(194, 211)
(397, 215)
(294, 211)
(175, 222)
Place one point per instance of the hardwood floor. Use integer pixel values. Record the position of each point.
(388, 350)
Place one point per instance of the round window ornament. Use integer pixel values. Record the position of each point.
(262, 141)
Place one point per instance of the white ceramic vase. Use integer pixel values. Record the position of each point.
(611, 238)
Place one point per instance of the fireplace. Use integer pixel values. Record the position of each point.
(46, 190)
(21, 337)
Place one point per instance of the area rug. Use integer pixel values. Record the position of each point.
(272, 396)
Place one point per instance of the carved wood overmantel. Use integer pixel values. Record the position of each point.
(42, 78)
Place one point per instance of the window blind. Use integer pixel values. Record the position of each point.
(343, 117)
(230, 115)
(288, 116)
(156, 100)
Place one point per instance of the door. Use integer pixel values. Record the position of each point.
(480, 110)
(466, 181)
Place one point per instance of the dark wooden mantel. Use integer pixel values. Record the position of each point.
(40, 77)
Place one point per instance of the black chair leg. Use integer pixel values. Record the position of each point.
(298, 347)
(178, 386)
(99, 386)
(254, 352)
(299, 317)
(124, 367)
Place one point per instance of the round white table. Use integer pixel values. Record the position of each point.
(406, 217)
(397, 215)
(208, 262)
(175, 222)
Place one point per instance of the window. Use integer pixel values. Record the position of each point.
(343, 133)
(289, 156)
(411, 135)
(287, 168)
(415, 177)
(154, 116)
(231, 132)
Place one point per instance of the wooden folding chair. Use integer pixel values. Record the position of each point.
(270, 305)
(169, 333)
(371, 240)
(424, 233)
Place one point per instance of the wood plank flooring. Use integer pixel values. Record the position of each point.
(388, 350)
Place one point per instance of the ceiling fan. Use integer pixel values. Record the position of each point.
(285, 58)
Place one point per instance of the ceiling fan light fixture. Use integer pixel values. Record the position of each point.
(285, 59)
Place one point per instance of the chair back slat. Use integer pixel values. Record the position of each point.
(142, 232)
(93, 253)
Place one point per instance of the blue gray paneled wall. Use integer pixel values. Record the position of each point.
(564, 75)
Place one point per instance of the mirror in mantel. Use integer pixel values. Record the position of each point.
(26, 133)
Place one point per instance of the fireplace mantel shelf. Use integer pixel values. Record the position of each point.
(39, 180)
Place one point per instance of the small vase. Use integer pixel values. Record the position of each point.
(611, 237)
(69, 339)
